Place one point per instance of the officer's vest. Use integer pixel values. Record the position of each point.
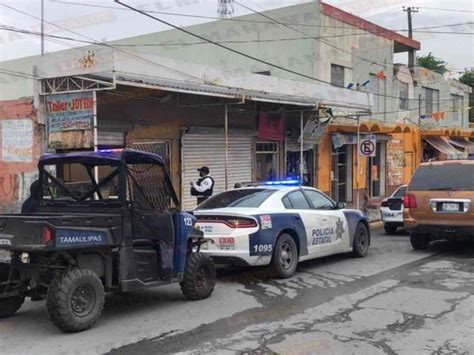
(208, 192)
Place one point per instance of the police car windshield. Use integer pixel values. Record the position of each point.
(244, 198)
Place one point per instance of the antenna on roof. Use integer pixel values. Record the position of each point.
(225, 8)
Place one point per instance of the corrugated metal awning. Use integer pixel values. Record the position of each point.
(462, 143)
(442, 145)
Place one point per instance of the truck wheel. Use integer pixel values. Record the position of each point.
(285, 257)
(199, 277)
(8, 306)
(75, 300)
(360, 246)
(419, 241)
(390, 228)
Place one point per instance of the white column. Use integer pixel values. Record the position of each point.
(226, 140)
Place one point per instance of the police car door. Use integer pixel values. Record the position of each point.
(303, 214)
(331, 235)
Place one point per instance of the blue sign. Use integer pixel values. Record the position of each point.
(66, 238)
(70, 112)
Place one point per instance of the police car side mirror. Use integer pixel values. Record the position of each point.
(341, 205)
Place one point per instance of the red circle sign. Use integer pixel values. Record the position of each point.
(367, 147)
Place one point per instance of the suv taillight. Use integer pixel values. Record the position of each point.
(409, 201)
(47, 235)
(232, 222)
(384, 204)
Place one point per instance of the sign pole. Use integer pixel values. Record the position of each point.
(301, 147)
(358, 162)
(95, 133)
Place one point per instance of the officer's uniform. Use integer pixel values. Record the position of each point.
(204, 187)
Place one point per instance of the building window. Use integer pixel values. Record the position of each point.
(431, 101)
(373, 88)
(337, 75)
(457, 107)
(403, 94)
(267, 161)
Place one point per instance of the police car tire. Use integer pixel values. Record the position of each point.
(8, 306)
(60, 295)
(390, 228)
(198, 266)
(419, 241)
(360, 245)
(276, 264)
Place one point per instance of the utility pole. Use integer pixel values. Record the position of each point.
(411, 53)
(42, 27)
(225, 8)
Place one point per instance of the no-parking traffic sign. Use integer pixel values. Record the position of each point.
(368, 145)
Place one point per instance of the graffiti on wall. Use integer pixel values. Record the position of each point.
(395, 162)
(17, 140)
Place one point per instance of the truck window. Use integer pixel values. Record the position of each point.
(456, 177)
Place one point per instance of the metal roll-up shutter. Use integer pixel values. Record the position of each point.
(209, 150)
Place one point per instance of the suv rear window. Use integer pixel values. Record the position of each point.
(455, 177)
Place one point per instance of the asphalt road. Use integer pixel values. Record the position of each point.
(394, 301)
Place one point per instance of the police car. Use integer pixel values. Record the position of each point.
(391, 210)
(279, 224)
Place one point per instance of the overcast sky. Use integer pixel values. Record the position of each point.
(107, 23)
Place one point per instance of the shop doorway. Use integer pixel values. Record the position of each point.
(160, 147)
(376, 172)
(341, 173)
(293, 166)
(266, 161)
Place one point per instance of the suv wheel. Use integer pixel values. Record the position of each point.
(199, 277)
(8, 306)
(75, 300)
(419, 241)
(285, 256)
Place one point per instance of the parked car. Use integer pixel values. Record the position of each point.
(391, 210)
(438, 202)
(86, 238)
(279, 225)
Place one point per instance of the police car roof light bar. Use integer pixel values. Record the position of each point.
(293, 182)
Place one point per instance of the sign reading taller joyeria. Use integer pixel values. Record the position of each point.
(368, 145)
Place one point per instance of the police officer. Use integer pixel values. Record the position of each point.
(204, 187)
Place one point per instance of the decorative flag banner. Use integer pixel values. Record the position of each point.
(350, 86)
(423, 117)
(381, 75)
(365, 83)
(70, 112)
(271, 127)
(438, 116)
(329, 112)
(424, 72)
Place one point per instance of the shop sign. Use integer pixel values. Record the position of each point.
(339, 140)
(368, 145)
(17, 140)
(70, 112)
(314, 131)
(271, 127)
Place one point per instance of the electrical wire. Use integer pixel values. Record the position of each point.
(445, 9)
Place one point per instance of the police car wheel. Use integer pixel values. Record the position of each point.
(199, 277)
(361, 241)
(285, 256)
(8, 306)
(75, 300)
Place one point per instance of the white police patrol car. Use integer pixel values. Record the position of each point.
(279, 225)
(391, 210)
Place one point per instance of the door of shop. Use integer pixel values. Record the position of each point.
(341, 181)
(376, 172)
(267, 166)
(293, 156)
(208, 149)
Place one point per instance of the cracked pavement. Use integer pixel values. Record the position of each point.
(394, 301)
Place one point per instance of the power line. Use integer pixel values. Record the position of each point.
(444, 9)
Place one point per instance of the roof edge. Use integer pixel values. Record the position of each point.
(359, 22)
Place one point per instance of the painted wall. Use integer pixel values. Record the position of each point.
(20, 148)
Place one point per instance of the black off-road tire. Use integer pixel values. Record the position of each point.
(285, 257)
(360, 246)
(8, 306)
(419, 241)
(199, 277)
(75, 300)
(390, 228)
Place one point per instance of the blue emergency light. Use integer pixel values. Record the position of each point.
(292, 182)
